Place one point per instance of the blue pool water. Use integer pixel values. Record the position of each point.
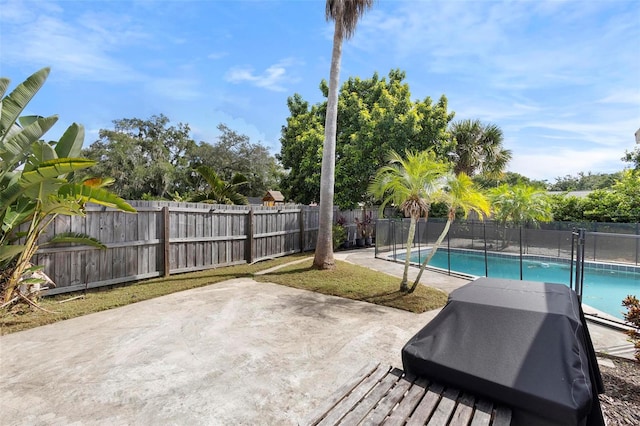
(603, 289)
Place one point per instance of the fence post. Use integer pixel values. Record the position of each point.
(249, 249)
(166, 242)
(520, 252)
(486, 261)
(637, 243)
(301, 219)
(448, 251)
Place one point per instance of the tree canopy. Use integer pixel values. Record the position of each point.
(153, 159)
(376, 116)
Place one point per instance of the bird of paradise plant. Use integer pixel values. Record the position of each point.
(37, 184)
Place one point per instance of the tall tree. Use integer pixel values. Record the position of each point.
(377, 115)
(301, 150)
(345, 14)
(478, 148)
(410, 184)
(633, 157)
(146, 157)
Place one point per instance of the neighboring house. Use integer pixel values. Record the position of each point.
(273, 198)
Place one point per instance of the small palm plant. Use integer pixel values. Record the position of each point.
(409, 183)
(458, 194)
(519, 204)
(219, 191)
(37, 184)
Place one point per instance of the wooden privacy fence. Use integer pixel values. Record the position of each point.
(165, 238)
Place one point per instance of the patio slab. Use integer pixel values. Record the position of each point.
(238, 352)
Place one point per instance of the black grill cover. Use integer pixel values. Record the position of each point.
(524, 344)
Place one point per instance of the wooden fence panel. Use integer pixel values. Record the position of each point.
(201, 236)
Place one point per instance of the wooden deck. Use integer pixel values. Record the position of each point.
(386, 395)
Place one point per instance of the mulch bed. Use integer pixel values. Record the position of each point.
(621, 400)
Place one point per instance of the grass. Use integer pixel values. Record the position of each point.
(23, 317)
(358, 283)
(347, 280)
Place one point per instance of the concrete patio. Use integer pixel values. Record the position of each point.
(238, 352)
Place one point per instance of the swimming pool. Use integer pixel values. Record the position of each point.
(605, 286)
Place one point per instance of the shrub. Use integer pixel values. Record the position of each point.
(633, 317)
(339, 236)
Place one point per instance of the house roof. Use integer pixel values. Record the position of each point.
(273, 196)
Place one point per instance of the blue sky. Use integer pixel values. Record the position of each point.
(561, 78)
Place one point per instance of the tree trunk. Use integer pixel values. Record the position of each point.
(433, 252)
(323, 258)
(404, 285)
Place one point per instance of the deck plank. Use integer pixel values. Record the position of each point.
(503, 416)
(382, 410)
(339, 394)
(385, 395)
(345, 405)
(464, 411)
(482, 416)
(359, 412)
(427, 405)
(445, 408)
(399, 416)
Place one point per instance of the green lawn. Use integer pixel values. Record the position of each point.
(358, 283)
(347, 280)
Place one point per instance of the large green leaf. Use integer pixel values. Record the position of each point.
(8, 252)
(17, 100)
(70, 144)
(55, 168)
(77, 238)
(56, 204)
(40, 152)
(100, 196)
(26, 120)
(17, 147)
(17, 214)
(43, 181)
(4, 84)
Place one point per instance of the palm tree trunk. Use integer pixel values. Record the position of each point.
(404, 285)
(433, 252)
(323, 258)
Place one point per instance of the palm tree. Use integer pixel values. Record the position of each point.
(410, 184)
(519, 204)
(478, 148)
(345, 13)
(459, 193)
(220, 192)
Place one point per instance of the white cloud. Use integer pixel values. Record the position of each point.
(81, 49)
(558, 162)
(271, 78)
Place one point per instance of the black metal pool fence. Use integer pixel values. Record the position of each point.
(617, 243)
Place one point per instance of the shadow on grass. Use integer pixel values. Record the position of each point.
(387, 296)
